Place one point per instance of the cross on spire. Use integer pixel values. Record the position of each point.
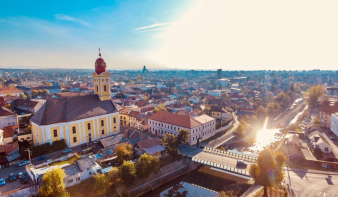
(99, 52)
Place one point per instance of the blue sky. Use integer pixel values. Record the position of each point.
(186, 34)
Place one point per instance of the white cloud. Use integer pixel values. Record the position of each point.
(153, 27)
(69, 18)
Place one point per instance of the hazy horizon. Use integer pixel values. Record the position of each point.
(187, 35)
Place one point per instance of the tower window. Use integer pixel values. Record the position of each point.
(102, 123)
(105, 88)
(88, 125)
(55, 132)
(114, 120)
(74, 130)
(74, 139)
(102, 131)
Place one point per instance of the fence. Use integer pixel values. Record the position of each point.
(230, 154)
(220, 166)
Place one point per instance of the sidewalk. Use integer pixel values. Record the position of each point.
(311, 171)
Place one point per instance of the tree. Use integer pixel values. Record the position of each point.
(268, 171)
(120, 95)
(29, 129)
(261, 112)
(160, 107)
(10, 95)
(146, 165)
(176, 191)
(131, 82)
(171, 142)
(101, 184)
(53, 183)
(124, 151)
(313, 94)
(45, 92)
(23, 96)
(128, 172)
(34, 93)
(273, 108)
(114, 176)
(253, 119)
(40, 92)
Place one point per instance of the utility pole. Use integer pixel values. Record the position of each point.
(29, 155)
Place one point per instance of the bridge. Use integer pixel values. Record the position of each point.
(224, 160)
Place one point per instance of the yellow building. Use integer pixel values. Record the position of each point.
(78, 119)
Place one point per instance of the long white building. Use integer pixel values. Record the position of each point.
(201, 127)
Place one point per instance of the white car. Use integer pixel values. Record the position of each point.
(24, 163)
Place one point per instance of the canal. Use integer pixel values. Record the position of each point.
(200, 182)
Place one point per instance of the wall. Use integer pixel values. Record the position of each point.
(28, 191)
(8, 120)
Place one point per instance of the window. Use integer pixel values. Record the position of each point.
(74, 130)
(28, 138)
(90, 173)
(78, 178)
(105, 88)
(97, 88)
(22, 138)
(102, 123)
(88, 125)
(70, 181)
(74, 139)
(326, 148)
(55, 132)
(114, 120)
(102, 131)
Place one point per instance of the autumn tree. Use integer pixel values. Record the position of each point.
(146, 165)
(261, 112)
(171, 142)
(128, 172)
(160, 107)
(268, 171)
(124, 151)
(45, 92)
(53, 183)
(101, 184)
(40, 92)
(23, 96)
(313, 94)
(10, 95)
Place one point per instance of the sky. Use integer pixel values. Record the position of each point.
(182, 34)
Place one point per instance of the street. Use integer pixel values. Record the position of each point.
(4, 173)
(306, 184)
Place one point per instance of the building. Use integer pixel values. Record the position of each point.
(152, 146)
(10, 91)
(334, 123)
(223, 82)
(327, 109)
(217, 112)
(217, 92)
(200, 128)
(27, 105)
(194, 99)
(7, 118)
(219, 73)
(31, 83)
(78, 119)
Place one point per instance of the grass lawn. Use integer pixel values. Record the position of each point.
(70, 161)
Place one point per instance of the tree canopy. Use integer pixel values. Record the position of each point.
(171, 142)
(124, 151)
(313, 94)
(268, 171)
(160, 107)
(128, 172)
(53, 184)
(146, 165)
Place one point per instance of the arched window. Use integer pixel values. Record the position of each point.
(105, 88)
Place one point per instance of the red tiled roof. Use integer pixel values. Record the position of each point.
(6, 112)
(8, 131)
(134, 114)
(148, 143)
(7, 148)
(329, 107)
(175, 119)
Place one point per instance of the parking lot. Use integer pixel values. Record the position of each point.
(4, 173)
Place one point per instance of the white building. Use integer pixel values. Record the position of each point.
(334, 123)
(201, 127)
(194, 99)
(7, 118)
(224, 82)
(217, 92)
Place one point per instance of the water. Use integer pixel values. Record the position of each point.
(294, 120)
(195, 183)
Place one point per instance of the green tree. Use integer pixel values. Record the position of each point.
(45, 92)
(313, 94)
(128, 172)
(273, 108)
(268, 171)
(124, 151)
(160, 107)
(53, 183)
(146, 165)
(171, 142)
(101, 184)
(34, 93)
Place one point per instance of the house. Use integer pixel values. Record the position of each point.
(31, 83)
(217, 92)
(132, 118)
(124, 116)
(8, 153)
(152, 146)
(332, 91)
(223, 82)
(10, 91)
(327, 109)
(334, 123)
(292, 147)
(163, 122)
(194, 99)
(217, 112)
(7, 118)
(5, 100)
(27, 105)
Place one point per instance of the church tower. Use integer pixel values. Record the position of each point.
(101, 79)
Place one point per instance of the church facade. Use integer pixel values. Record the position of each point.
(78, 119)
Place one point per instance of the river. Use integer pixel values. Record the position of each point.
(200, 182)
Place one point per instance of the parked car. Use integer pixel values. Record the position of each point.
(84, 145)
(240, 162)
(67, 151)
(12, 177)
(2, 182)
(49, 160)
(42, 157)
(20, 175)
(24, 163)
(24, 180)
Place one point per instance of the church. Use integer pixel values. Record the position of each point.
(78, 119)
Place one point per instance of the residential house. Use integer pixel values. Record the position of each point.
(5, 100)
(7, 118)
(334, 123)
(11, 91)
(8, 153)
(152, 146)
(217, 112)
(124, 118)
(327, 109)
(27, 105)
(132, 118)
(194, 99)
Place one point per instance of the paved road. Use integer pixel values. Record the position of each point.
(16, 184)
(304, 184)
